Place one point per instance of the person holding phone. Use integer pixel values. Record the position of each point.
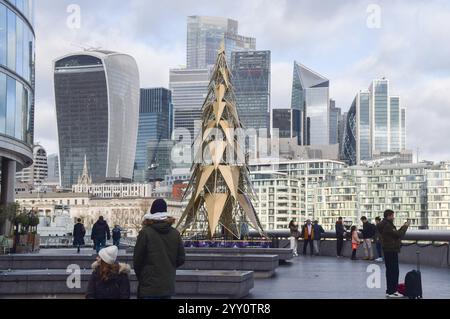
(391, 240)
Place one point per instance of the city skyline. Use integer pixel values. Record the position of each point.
(375, 52)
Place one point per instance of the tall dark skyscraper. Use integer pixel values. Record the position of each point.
(97, 109)
(251, 82)
(282, 120)
(16, 93)
(155, 125)
(335, 115)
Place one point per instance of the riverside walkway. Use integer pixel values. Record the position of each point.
(317, 277)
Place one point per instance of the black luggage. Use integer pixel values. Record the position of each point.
(413, 282)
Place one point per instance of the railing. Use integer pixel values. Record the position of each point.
(413, 235)
(67, 242)
(433, 244)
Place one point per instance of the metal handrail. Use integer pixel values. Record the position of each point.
(414, 235)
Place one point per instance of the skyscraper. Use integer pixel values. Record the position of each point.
(53, 169)
(375, 125)
(189, 89)
(38, 171)
(189, 86)
(97, 109)
(335, 114)
(204, 35)
(358, 130)
(16, 93)
(251, 81)
(311, 97)
(282, 120)
(379, 94)
(155, 124)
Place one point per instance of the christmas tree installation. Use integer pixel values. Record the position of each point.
(220, 188)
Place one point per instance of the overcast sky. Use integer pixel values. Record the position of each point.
(338, 39)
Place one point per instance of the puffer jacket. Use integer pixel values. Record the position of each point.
(391, 238)
(116, 287)
(158, 252)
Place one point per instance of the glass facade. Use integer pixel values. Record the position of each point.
(350, 147)
(376, 123)
(310, 95)
(395, 127)
(204, 36)
(335, 114)
(380, 100)
(403, 128)
(97, 115)
(281, 120)
(17, 70)
(251, 81)
(364, 127)
(155, 116)
(189, 89)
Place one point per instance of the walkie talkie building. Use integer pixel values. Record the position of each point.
(97, 108)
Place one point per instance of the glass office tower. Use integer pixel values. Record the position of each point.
(282, 120)
(251, 82)
(204, 35)
(335, 114)
(17, 64)
(189, 89)
(155, 124)
(311, 96)
(380, 108)
(97, 109)
(378, 123)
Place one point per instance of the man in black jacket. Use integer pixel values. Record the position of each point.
(391, 240)
(100, 232)
(159, 251)
(340, 233)
(368, 233)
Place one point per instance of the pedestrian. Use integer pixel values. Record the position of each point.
(109, 279)
(355, 241)
(295, 235)
(318, 231)
(340, 234)
(308, 237)
(116, 235)
(368, 233)
(100, 233)
(378, 241)
(78, 235)
(244, 230)
(391, 241)
(159, 251)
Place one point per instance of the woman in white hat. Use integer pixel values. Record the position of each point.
(109, 279)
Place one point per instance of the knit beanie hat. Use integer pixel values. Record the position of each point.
(159, 206)
(109, 254)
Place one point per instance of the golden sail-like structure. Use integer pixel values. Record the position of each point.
(220, 188)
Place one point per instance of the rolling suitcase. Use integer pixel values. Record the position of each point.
(413, 282)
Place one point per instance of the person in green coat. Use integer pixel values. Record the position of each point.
(159, 251)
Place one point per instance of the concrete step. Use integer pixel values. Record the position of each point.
(284, 254)
(264, 266)
(189, 283)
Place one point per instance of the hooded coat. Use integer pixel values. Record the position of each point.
(158, 252)
(116, 287)
(391, 238)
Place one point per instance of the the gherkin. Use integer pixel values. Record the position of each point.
(220, 190)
